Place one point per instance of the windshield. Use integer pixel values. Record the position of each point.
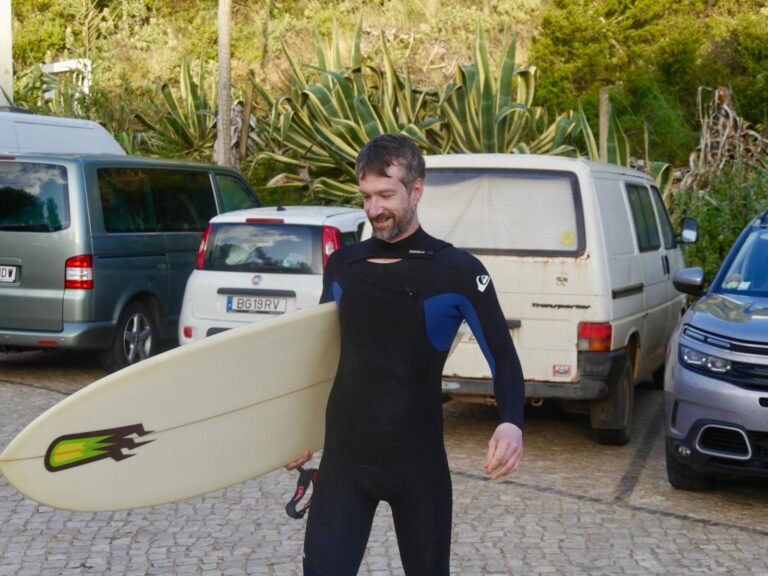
(748, 272)
(526, 212)
(34, 197)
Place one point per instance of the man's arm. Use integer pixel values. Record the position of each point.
(489, 326)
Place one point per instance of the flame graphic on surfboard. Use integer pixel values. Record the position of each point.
(79, 449)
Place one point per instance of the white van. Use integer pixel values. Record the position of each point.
(23, 133)
(582, 256)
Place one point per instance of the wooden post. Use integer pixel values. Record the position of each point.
(605, 113)
(223, 146)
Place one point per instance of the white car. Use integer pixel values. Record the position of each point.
(257, 263)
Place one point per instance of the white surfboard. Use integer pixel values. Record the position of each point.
(189, 421)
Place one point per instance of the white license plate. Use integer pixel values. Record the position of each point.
(8, 274)
(257, 304)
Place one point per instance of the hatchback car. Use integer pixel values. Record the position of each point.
(258, 263)
(716, 381)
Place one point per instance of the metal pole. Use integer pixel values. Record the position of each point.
(6, 53)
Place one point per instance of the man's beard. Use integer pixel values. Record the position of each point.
(399, 225)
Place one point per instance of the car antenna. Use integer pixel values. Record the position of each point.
(280, 208)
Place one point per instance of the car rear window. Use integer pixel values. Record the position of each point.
(263, 247)
(522, 212)
(34, 197)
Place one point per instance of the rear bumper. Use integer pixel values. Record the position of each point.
(599, 374)
(74, 336)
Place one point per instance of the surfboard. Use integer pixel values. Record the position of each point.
(189, 421)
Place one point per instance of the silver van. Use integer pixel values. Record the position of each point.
(25, 133)
(582, 256)
(95, 250)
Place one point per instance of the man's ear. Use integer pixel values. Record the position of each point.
(417, 189)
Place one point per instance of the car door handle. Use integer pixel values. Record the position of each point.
(665, 264)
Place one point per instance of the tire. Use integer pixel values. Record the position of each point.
(682, 477)
(135, 340)
(612, 416)
(658, 377)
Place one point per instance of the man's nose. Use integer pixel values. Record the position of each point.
(373, 208)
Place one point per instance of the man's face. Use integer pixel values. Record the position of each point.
(389, 206)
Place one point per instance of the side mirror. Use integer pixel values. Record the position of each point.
(689, 281)
(690, 233)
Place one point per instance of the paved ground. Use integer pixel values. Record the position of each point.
(574, 507)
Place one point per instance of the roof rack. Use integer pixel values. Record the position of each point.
(763, 218)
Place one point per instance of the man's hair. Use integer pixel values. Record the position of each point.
(388, 149)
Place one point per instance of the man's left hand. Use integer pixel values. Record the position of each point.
(505, 450)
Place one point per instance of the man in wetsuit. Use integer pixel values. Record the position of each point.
(401, 296)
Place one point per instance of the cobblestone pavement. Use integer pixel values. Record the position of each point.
(574, 507)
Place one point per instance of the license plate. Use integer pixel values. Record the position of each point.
(257, 304)
(8, 274)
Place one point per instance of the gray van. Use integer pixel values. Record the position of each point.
(95, 250)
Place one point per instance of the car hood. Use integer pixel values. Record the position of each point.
(737, 317)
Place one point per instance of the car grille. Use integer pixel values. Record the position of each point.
(744, 346)
(759, 444)
(723, 442)
(743, 374)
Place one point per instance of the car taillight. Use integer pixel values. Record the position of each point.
(78, 272)
(595, 337)
(187, 331)
(201, 250)
(331, 242)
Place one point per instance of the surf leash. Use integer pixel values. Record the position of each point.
(307, 476)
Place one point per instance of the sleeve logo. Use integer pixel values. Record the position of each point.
(482, 282)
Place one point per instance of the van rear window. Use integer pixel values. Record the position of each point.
(522, 212)
(281, 248)
(34, 197)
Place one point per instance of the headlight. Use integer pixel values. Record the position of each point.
(703, 361)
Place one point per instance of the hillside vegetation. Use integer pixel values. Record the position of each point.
(154, 69)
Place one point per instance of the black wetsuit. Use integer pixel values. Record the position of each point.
(384, 431)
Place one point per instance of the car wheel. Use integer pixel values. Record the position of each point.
(612, 416)
(135, 338)
(683, 477)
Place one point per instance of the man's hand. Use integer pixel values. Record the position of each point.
(306, 457)
(504, 450)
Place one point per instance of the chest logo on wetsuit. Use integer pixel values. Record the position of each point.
(482, 282)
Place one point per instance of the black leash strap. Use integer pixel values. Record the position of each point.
(307, 476)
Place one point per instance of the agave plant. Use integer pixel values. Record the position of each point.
(487, 113)
(322, 125)
(185, 125)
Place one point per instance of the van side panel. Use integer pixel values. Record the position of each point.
(124, 265)
(624, 273)
(181, 252)
(655, 277)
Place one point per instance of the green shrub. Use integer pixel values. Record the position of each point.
(731, 198)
